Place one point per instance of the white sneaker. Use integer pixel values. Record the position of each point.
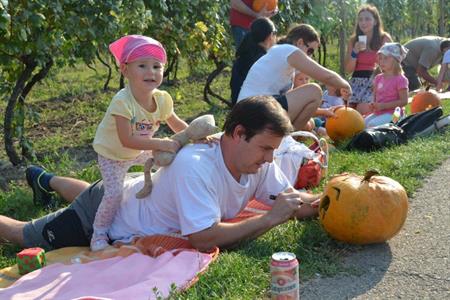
(98, 244)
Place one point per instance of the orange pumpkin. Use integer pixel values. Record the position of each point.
(361, 210)
(346, 124)
(424, 100)
(259, 4)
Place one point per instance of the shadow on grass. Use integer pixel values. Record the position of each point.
(366, 266)
(323, 262)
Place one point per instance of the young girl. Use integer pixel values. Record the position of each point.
(300, 79)
(361, 56)
(273, 72)
(390, 88)
(125, 135)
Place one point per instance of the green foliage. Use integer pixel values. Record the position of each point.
(241, 273)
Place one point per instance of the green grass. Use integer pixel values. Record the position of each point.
(71, 104)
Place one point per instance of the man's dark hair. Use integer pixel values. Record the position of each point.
(257, 114)
(445, 44)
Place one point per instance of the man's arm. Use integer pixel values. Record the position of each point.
(286, 206)
(441, 76)
(226, 234)
(423, 72)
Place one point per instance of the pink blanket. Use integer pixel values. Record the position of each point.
(136, 276)
(144, 270)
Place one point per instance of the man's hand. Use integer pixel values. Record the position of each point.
(285, 207)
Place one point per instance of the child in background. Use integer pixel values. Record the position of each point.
(125, 135)
(331, 100)
(390, 88)
(445, 48)
(300, 79)
(329, 104)
(331, 97)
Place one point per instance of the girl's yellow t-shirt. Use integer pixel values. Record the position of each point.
(142, 122)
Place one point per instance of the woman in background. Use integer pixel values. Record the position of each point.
(362, 55)
(255, 44)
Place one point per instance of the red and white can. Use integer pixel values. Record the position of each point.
(284, 274)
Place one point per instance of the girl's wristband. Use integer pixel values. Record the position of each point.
(354, 54)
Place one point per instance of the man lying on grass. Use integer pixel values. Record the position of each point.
(202, 187)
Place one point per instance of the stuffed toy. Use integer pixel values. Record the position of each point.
(198, 129)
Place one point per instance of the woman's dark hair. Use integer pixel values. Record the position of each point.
(260, 29)
(303, 31)
(257, 114)
(378, 32)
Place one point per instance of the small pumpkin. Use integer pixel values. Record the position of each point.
(346, 124)
(259, 4)
(424, 100)
(363, 210)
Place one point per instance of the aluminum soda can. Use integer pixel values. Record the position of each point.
(284, 276)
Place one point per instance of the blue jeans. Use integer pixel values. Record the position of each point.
(238, 34)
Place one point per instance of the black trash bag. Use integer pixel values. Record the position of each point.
(415, 125)
(376, 138)
(419, 123)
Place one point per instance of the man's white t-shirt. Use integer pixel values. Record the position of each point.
(270, 74)
(192, 194)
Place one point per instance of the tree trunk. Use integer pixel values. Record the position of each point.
(121, 81)
(30, 65)
(108, 78)
(342, 38)
(442, 12)
(27, 150)
(323, 46)
(172, 68)
(208, 91)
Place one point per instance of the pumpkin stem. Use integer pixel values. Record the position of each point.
(369, 175)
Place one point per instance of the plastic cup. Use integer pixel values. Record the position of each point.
(363, 39)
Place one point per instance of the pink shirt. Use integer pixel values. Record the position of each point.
(387, 90)
(365, 60)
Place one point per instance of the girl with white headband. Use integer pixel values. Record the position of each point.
(390, 87)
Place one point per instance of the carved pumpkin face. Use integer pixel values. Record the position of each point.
(259, 4)
(361, 210)
(424, 100)
(346, 124)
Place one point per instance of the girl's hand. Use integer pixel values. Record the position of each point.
(332, 111)
(359, 46)
(375, 106)
(267, 13)
(210, 139)
(328, 112)
(168, 145)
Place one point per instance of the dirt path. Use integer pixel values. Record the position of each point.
(413, 265)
